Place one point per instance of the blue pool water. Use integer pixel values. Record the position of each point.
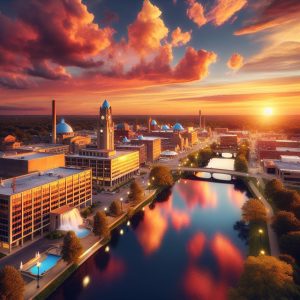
(82, 232)
(48, 263)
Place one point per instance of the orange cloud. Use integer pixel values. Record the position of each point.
(223, 10)
(180, 219)
(180, 38)
(195, 12)
(148, 30)
(194, 65)
(236, 61)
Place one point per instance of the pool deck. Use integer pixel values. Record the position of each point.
(90, 244)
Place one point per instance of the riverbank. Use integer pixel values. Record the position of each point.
(91, 245)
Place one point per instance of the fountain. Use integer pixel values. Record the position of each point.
(71, 220)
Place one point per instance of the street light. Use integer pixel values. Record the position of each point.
(121, 199)
(262, 252)
(260, 231)
(38, 264)
(105, 209)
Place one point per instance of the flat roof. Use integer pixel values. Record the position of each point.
(41, 145)
(62, 210)
(148, 138)
(118, 154)
(228, 135)
(29, 181)
(287, 166)
(30, 155)
(288, 149)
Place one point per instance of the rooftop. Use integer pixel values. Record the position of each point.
(287, 166)
(288, 149)
(147, 138)
(30, 155)
(29, 181)
(116, 155)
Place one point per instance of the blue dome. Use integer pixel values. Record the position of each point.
(178, 127)
(140, 137)
(63, 127)
(153, 122)
(105, 104)
(125, 140)
(165, 127)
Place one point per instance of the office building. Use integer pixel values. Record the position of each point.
(228, 141)
(27, 201)
(152, 144)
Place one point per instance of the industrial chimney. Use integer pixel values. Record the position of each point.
(200, 121)
(53, 122)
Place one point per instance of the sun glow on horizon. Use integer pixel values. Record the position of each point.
(268, 111)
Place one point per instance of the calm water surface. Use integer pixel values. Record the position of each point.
(181, 248)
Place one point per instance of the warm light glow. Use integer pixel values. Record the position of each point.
(260, 231)
(107, 249)
(121, 231)
(268, 111)
(86, 280)
(262, 252)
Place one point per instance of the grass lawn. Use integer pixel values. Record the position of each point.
(257, 241)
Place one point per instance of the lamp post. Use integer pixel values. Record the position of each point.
(260, 232)
(38, 264)
(148, 187)
(121, 199)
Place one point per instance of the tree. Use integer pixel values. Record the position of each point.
(115, 208)
(71, 249)
(12, 285)
(285, 221)
(290, 244)
(161, 177)
(100, 226)
(272, 187)
(286, 199)
(204, 156)
(136, 193)
(254, 210)
(265, 277)
(241, 164)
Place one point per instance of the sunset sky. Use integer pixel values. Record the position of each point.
(150, 56)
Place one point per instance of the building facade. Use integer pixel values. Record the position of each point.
(152, 144)
(26, 202)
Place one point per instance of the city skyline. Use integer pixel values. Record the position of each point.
(150, 57)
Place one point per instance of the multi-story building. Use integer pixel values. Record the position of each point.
(129, 147)
(152, 144)
(27, 201)
(288, 169)
(110, 168)
(228, 141)
(47, 148)
(24, 163)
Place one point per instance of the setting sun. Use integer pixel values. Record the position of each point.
(268, 111)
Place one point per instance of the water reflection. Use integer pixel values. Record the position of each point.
(186, 247)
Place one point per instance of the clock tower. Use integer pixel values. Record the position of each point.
(105, 130)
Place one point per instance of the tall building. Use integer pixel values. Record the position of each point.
(105, 130)
(27, 201)
(110, 168)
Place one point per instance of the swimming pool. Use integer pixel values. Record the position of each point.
(46, 264)
(82, 232)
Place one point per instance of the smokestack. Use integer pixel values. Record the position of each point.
(200, 121)
(53, 122)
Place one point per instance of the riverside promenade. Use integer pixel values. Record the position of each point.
(91, 244)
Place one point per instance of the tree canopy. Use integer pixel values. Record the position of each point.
(241, 164)
(272, 187)
(265, 277)
(254, 210)
(100, 226)
(290, 244)
(115, 208)
(12, 285)
(161, 177)
(71, 249)
(285, 221)
(136, 193)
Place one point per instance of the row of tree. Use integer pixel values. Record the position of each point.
(242, 157)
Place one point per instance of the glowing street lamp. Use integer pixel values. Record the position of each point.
(121, 232)
(262, 252)
(38, 264)
(260, 232)
(107, 249)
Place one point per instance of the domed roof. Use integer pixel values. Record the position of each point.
(62, 127)
(178, 127)
(105, 104)
(125, 140)
(120, 126)
(165, 127)
(153, 122)
(140, 137)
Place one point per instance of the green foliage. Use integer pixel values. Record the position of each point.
(12, 285)
(265, 277)
(241, 164)
(71, 249)
(54, 235)
(254, 210)
(136, 193)
(100, 225)
(290, 244)
(115, 208)
(285, 221)
(161, 177)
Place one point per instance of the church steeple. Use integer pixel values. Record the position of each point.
(105, 130)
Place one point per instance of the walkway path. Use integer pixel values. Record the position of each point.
(273, 241)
